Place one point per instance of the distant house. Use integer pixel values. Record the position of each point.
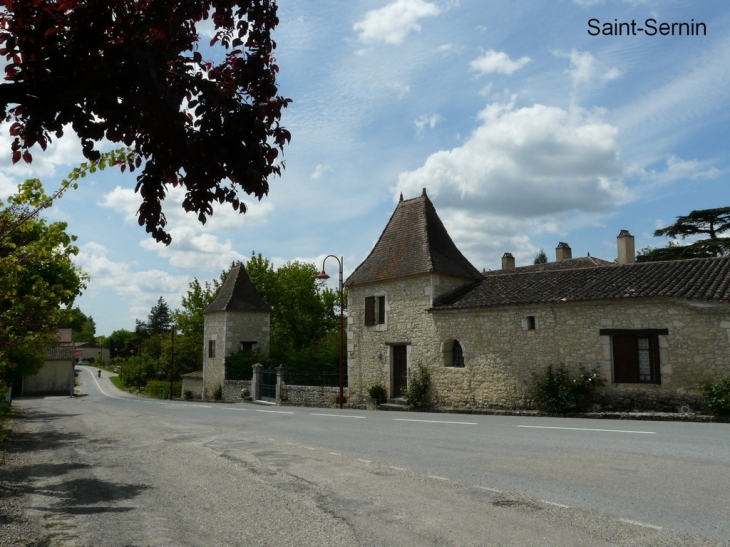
(238, 319)
(56, 377)
(92, 352)
(193, 382)
(655, 329)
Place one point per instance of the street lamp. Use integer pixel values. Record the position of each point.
(323, 275)
(172, 356)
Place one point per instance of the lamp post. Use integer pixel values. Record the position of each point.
(323, 275)
(172, 356)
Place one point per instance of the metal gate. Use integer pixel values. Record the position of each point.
(268, 385)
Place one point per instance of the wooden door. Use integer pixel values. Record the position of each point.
(400, 370)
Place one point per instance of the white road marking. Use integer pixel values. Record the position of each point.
(364, 461)
(587, 429)
(398, 468)
(100, 388)
(239, 409)
(644, 525)
(432, 421)
(275, 411)
(335, 453)
(194, 406)
(309, 447)
(490, 489)
(338, 416)
(556, 504)
(437, 477)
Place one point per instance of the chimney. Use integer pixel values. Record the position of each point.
(563, 252)
(508, 261)
(626, 250)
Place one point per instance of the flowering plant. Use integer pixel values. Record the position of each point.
(557, 390)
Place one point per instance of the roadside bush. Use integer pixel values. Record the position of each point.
(378, 393)
(717, 396)
(188, 395)
(218, 393)
(419, 382)
(557, 390)
(160, 389)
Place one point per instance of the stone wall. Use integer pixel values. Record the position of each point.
(316, 396)
(369, 348)
(501, 350)
(232, 390)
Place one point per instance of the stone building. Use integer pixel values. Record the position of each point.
(237, 320)
(56, 377)
(655, 329)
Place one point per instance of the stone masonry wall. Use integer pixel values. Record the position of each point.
(228, 329)
(369, 349)
(501, 352)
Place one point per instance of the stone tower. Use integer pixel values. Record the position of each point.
(237, 320)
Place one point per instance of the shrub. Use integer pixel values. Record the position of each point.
(245, 394)
(557, 390)
(419, 382)
(218, 393)
(160, 389)
(717, 396)
(188, 395)
(378, 393)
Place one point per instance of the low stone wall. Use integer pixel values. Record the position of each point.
(317, 396)
(232, 390)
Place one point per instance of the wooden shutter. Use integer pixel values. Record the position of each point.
(369, 311)
(625, 359)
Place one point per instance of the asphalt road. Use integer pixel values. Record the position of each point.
(111, 469)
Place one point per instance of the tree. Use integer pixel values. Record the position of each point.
(541, 257)
(159, 318)
(130, 72)
(82, 326)
(704, 222)
(37, 281)
(121, 343)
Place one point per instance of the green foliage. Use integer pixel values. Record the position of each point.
(703, 222)
(38, 277)
(238, 365)
(419, 383)
(218, 393)
(161, 389)
(557, 390)
(122, 342)
(540, 257)
(378, 393)
(188, 395)
(717, 396)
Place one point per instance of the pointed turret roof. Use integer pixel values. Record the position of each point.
(414, 241)
(238, 294)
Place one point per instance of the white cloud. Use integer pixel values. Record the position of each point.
(320, 171)
(392, 23)
(427, 121)
(527, 163)
(585, 69)
(139, 289)
(497, 61)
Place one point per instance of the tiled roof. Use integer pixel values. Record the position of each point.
(238, 294)
(569, 264)
(413, 242)
(198, 374)
(703, 279)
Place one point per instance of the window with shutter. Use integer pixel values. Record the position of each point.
(636, 359)
(369, 311)
(211, 349)
(381, 310)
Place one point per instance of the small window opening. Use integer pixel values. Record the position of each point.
(381, 310)
(530, 322)
(457, 355)
(211, 349)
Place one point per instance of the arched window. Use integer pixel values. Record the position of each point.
(457, 355)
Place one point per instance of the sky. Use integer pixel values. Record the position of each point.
(528, 123)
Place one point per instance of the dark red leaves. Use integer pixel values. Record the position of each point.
(123, 69)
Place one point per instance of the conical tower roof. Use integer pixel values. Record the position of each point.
(414, 241)
(238, 293)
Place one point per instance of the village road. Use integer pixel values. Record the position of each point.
(109, 469)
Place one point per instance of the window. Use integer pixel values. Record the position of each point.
(530, 322)
(636, 355)
(374, 310)
(211, 349)
(246, 347)
(457, 355)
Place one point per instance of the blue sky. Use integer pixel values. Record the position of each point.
(524, 129)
